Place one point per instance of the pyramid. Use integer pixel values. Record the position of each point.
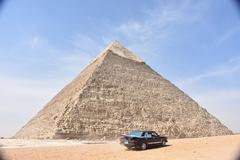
(117, 92)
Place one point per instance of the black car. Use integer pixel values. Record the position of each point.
(142, 139)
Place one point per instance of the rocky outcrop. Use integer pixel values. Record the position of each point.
(118, 92)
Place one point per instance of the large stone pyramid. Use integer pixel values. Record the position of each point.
(115, 93)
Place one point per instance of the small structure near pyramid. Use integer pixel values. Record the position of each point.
(116, 93)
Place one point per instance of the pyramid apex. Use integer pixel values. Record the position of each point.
(117, 48)
(115, 42)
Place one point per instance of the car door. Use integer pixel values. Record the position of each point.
(149, 138)
(156, 139)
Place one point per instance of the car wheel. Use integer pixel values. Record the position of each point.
(143, 146)
(163, 143)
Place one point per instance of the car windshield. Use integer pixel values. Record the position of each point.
(135, 134)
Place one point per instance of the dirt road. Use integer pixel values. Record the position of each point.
(220, 148)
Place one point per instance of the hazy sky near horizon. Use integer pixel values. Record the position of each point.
(45, 44)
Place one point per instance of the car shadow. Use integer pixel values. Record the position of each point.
(158, 147)
(150, 148)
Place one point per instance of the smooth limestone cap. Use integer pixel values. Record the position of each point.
(120, 50)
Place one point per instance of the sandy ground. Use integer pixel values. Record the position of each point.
(220, 148)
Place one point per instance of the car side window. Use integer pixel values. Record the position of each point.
(154, 134)
(147, 135)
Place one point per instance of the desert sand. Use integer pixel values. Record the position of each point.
(208, 148)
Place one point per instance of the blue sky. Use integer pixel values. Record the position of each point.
(45, 44)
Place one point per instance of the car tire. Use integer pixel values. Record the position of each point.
(144, 146)
(163, 143)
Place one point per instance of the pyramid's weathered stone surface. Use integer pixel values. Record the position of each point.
(118, 92)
